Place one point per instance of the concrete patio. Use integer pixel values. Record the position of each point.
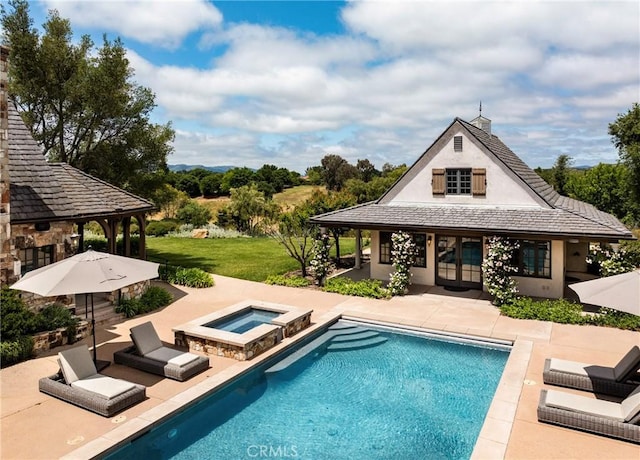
(34, 425)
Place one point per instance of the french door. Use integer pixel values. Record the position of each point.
(459, 261)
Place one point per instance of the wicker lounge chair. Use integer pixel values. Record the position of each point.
(148, 354)
(620, 380)
(618, 420)
(78, 383)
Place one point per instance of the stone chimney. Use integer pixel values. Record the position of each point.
(6, 260)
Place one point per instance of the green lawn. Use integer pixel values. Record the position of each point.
(251, 259)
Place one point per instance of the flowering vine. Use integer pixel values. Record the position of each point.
(403, 254)
(497, 268)
(607, 262)
(320, 262)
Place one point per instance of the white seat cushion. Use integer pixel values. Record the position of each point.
(76, 364)
(584, 405)
(587, 370)
(145, 338)
(171, 356)
(628, 364)
(631, 405)
(103, 385)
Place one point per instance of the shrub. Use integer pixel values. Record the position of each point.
(559, 311)
(161, 227)
(16, 319)
(614, 318)
(153, 298)
(497, 268)
(403, 255)
(193, 277)
(194, 214)
(190, 277)
(320, 263)
(363, 288)
(15, 351)
(290, 281)
(53, 317)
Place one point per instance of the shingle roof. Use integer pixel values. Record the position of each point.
(564, 217)
(535, 221)
(43, 191)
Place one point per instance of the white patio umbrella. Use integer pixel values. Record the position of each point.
(620, 292)
(86, 273)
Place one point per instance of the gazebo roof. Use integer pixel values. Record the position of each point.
(42, 191)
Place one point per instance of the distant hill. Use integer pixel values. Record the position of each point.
(182, 167)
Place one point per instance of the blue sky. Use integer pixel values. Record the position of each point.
(252, 82)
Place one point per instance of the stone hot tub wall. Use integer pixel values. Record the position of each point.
(238, 351)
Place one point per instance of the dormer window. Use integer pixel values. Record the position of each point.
(457, 143)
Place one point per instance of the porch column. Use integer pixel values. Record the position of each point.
(358, 250)
(126, 236)
(81, 237)
(142, 227)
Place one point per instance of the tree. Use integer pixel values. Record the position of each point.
(169, 200)
(249, 208)
(81, 104)
(194, 214)
(336, 170)
(625, 133)
(293, 231)
(236, 178)
(188, 184)
(210, 185)
(560, 173)
(604, 186)
(366, 170)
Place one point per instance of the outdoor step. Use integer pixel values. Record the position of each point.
(359, 345)
(342, 326)
(352, 330)
(364, 334)
(301, 353)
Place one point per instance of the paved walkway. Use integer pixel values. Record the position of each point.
(34, 425)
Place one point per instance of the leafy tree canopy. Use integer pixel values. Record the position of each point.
(625, 133)
(81, 103)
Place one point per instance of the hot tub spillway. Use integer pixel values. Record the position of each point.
(339, 337)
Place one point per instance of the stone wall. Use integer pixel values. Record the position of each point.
(45, 341)
(6, 258)
(297, 325)
(215, 348)
(130, 292)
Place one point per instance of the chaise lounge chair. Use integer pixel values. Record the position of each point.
(618, 420)
(148, 354)
(79, 383)
(620, 380)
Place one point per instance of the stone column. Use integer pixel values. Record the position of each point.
(7, 274)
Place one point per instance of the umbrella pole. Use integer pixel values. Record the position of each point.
(93, 332)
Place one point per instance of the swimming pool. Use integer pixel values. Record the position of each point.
(354, 393)
(244, 320)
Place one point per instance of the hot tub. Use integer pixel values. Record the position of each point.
(242, 331)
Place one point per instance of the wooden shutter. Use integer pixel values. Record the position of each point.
(479, 181)
(437, 181)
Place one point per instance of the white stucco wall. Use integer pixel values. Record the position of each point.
(534, 287)
(424, 276)
(552, 288)
(503, 188)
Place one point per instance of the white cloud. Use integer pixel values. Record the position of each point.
(163, 23)
(399, 75)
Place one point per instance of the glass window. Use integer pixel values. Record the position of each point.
(419, 239)
(385, 247)
(32, 258)
(459, 181)
(533, 258)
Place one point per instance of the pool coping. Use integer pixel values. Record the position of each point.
(491, 443)
(196, 326)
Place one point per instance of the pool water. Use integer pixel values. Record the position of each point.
(244, 321)
(360, 394)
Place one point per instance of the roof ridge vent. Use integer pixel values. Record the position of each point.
(482, 122)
